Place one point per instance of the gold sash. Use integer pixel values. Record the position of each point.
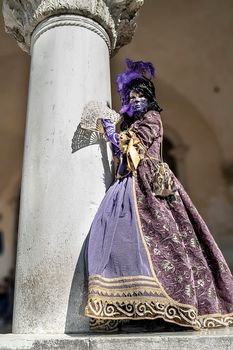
(129, 145)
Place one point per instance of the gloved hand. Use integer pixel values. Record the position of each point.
(112, 135)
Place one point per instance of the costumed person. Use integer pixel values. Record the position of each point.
(149, 254)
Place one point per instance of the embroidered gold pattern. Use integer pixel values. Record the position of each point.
(135, 309)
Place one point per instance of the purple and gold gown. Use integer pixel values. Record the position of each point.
(149, 257)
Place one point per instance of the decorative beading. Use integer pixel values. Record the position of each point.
(70, 20)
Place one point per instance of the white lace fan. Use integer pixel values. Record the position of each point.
(92, 114)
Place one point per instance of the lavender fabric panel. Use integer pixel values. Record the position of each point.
(115, 246)
(129, 285)
(130, 281)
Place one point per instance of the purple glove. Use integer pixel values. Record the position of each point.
(112, 135)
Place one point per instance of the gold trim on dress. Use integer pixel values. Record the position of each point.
(108, 284)
(122, 278)
(128, 299)
(138, 289)
(136, 309)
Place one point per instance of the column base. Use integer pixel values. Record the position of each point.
(217, 339)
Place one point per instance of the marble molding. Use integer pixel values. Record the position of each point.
(117, 17)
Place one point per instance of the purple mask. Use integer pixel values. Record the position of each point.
(136, 104)
(139, 104)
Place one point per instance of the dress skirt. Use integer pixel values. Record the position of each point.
(150, 257)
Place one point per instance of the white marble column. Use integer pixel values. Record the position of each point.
(69, 41)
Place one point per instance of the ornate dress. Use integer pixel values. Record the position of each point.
(151, 257)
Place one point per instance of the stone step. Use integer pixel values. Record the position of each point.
(215, 339)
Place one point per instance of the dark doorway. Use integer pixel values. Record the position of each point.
(168, 155)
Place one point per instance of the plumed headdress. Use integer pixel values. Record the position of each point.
(135, 70)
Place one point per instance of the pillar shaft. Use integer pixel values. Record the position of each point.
(60, 190)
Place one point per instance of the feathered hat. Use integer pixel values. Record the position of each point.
(135, 70)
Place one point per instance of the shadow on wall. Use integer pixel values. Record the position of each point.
(6, 301)
(75, 320)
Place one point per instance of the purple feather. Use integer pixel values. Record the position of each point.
(137, 69)
(141, 67)
(125, 78)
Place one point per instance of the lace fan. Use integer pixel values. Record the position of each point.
(92, 114)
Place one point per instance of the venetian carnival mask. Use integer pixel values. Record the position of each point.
(138, 101)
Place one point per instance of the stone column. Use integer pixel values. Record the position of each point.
(70, 42)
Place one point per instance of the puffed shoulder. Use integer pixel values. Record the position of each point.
(151, 119)
(148, 128)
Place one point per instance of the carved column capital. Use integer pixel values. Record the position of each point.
(124, 13)
(117, 17)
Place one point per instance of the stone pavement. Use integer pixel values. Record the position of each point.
(215, 339)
